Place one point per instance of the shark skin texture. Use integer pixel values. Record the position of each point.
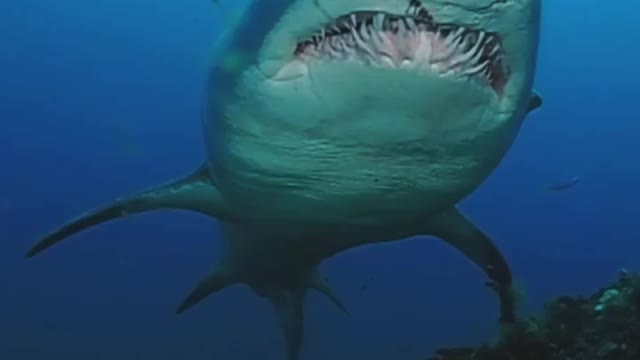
(333, 124)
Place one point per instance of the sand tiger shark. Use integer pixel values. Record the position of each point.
(332, 124)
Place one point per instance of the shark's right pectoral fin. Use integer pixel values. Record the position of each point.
(535, 101)
(195, 192)
(455, 229)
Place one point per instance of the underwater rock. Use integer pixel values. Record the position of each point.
(604, 326)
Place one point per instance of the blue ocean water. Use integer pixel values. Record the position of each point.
(103, 98)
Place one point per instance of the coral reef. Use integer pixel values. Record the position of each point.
(604, 326)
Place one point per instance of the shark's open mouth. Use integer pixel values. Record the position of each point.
(412, 40)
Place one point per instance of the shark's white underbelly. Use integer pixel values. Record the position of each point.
(315, 179)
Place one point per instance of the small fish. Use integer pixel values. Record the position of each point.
(565, 184)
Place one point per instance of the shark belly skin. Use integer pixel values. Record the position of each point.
(375, 167)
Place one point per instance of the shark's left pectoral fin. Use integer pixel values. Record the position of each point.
(210, 285)
(534, 102)
(454, 228)
(195, 192)
(318, 283)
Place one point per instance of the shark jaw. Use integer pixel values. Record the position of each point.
(413, 40)
(479, 43)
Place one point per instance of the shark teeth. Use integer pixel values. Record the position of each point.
(410, 40)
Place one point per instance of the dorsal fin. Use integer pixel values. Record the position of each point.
(195, 192)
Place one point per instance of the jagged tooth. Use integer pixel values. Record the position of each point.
(476, 69)
(339, 44)
(364, 33)
(361, 43)
(389, 23)
(331, 42)
(452, 41)
(494, 50)
(462, 59)
(349, 44)
(471, 39)
(359, 40)
(354, 33)
(378, 22)
(402, 26)
(386, 24)
(411, 24)
(455, 44)
(353, 20)
(485, 65)
(477, 56)
(349, 41)
(475, 50)
(455, 36)
(487, 71)
(333, 49)
(481, 37)
(376, 39)
(473, 55)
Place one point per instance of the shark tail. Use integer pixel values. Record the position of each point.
(195, 192)
(289, 309)
(287, 303)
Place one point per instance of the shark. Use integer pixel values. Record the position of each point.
(333, 124)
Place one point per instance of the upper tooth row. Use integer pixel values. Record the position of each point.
(454, 37)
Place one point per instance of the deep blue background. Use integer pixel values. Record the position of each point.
(102, 98)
